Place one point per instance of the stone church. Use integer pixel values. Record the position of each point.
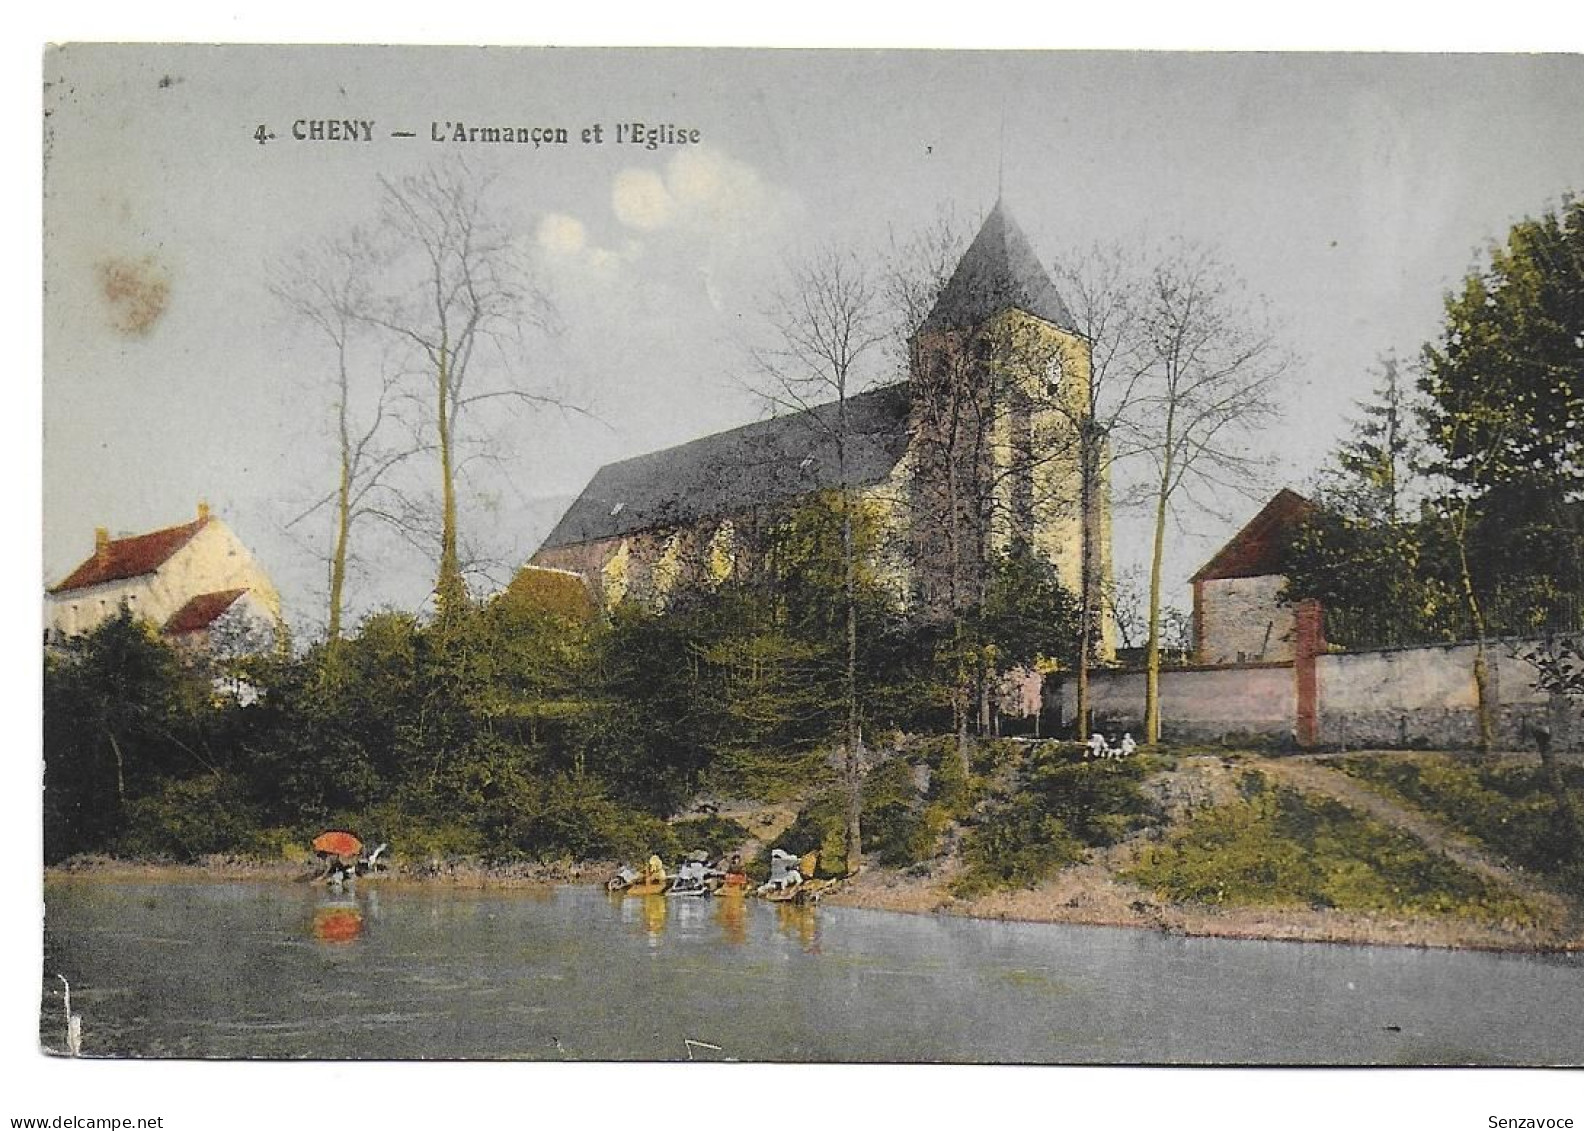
(976, 452)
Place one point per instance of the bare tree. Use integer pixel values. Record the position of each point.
(464, 300)
(825, 330)
(1101, 288)
(329, 290)
(1210, 367)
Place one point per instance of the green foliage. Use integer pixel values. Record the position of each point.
(719, 836)
(1027, 613)
(1059, 806)
(122, 717)
(899, 827)
(187, 819)
(565, 817)
(1511, 808)
(1279, 847)
(821, 826)
(1505, 384)
(950, 786)
(1498, 545)
(1379, 583)
(1505, 403)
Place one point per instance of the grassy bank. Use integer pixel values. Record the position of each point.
(1507, 805)
(1214, 844)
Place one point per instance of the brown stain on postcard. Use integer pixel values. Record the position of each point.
(136, 292)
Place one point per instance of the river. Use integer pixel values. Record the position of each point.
(280, 970)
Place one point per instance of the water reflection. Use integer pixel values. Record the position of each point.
(800, 922)
(340, 918)
(649, 911)
(651, 915)
(339, 922)
(731, 912)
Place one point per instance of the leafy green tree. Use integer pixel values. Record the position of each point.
(121, 715)
(1028, 615)
(1375, 568)
(1505, 381)
(1504, 418)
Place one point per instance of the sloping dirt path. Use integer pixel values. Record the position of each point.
(1303, 773)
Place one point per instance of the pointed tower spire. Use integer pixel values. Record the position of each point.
(999, 271)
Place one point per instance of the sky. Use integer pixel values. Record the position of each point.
(1349, 192)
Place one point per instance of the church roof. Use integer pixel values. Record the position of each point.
(999, 271)
(1257, 549)
(122, 558)
(732, 472)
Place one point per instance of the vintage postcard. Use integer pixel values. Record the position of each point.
(1057, 558)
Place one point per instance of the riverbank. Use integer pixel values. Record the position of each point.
(1517, 912)
(1089, 895)
(459, 874)
(1084, 895)
(1455, 893)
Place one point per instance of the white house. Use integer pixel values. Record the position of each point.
(190, 581)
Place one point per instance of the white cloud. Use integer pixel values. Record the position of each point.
(700, 188)
(641, 200)
(560, 234)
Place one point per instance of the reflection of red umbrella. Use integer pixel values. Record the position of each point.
(337, 924)
(337, 843)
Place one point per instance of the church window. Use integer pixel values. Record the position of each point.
(613, 575)
(1053, 376)
(722, 556)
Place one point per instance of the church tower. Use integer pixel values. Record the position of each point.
(1000, 398)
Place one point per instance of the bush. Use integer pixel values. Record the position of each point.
(719, 836)
(188, 819)
(821, 826)
(413, 835)
(899, 827)
(1060, 806)
(1018, 844)
(570, 817)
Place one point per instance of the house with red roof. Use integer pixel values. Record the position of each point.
(196, 583)
(1238, 613)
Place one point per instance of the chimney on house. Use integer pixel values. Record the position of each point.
(203, 510)
(101, 544)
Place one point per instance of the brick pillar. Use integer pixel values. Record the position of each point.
(1199, 656)
(1308, 642)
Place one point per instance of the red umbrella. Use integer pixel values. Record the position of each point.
(337, 843)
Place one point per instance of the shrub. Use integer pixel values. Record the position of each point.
(570, 817)
(719, 836)
(1061, 806)
(821, 826)
(899, 827)
(188, 819)
(1017, 845)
